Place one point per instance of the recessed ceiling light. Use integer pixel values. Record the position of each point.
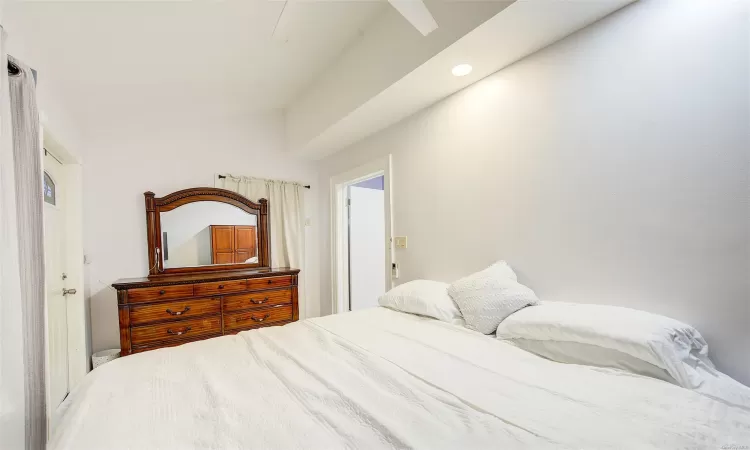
(461, 70)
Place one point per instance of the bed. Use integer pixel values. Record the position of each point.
(379, 378)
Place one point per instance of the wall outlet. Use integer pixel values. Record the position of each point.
(394, 270)
(308, 221)
(400, 241)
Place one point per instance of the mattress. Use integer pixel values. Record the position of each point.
(382, 379)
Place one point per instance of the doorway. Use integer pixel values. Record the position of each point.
(361, 236)
(67, 324)
(366, 228)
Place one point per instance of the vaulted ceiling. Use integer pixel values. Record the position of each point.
(339, 69)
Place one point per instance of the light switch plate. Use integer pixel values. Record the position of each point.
(400, 241)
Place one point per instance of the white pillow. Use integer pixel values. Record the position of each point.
(486, 298)
(423, 297)
(590, 355)
(668, 344)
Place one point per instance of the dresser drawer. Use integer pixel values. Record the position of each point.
(257, 300)
(151, 294)
(177, 330)
(257, 318)
(183, 309)
(268, 283)
(145, 348)
(220, 287)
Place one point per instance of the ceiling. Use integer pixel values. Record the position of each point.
(520, 29)
(338, 69)
(158, 57)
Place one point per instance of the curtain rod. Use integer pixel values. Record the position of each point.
(306, 186)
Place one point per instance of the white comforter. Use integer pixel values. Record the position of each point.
(382, 379)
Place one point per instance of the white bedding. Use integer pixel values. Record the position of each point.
(382, 379)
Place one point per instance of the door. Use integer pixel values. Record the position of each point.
(245, 242)
(55, 274)
(367, 243)
(222, 244)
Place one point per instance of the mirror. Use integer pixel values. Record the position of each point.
(208, 232)
(205, 229)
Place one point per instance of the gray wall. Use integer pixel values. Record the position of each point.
(611, 167)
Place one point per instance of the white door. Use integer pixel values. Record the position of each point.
(55, 273)
(367, 245)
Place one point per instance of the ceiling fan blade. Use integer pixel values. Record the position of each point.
(416, 12)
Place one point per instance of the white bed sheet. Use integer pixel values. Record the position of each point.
(382, 379)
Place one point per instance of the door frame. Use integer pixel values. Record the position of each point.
(77, 307)
(339, 228)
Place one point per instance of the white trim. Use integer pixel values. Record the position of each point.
(339, 250)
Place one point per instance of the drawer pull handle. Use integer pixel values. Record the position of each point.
(178, 333)
(258, 302)
(162, 292)
(270, 281)
(260, 319)
(178, 313)
(221, 286)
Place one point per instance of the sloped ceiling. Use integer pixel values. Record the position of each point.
(349, 102)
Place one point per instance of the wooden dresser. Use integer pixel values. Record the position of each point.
(191, 294)
(173, 310)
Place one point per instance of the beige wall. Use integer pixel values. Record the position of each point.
(611, 167)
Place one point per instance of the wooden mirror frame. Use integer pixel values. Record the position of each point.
(157, 205)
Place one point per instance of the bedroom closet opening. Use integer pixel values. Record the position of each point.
(361, 236)
(366, 219)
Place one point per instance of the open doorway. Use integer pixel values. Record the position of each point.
(361, 236)
(366, 228)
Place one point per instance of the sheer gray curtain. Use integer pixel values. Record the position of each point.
(21, 263)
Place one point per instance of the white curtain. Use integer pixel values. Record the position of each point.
(286, 215)
(23, 412)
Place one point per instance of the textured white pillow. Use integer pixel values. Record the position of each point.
(423, 297)
(668, 344)
(486, 298)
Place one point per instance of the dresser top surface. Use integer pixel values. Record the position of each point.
(165, 280)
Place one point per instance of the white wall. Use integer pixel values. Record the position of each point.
(129, 158)
(611, 167)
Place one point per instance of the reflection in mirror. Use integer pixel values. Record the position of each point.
(207, 232)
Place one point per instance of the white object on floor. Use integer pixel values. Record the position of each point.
(666, 343)
(423, 297)
(104, 356)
